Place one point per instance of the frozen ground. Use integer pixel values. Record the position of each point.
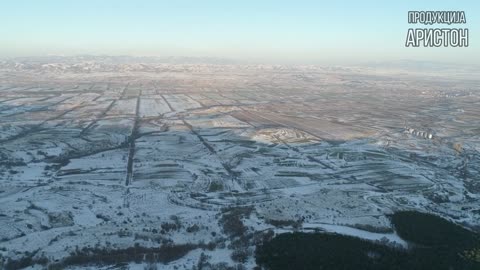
(206, 160)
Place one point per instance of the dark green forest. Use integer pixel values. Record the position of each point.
(434, 243)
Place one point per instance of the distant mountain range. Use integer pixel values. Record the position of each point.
(91, 63)
(123, 63)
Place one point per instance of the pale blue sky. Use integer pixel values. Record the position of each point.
(300, 31)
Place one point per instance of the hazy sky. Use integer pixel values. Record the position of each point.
(303, 31)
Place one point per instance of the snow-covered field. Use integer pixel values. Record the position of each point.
(84, 171)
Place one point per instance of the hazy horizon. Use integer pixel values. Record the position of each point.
(300, 32)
